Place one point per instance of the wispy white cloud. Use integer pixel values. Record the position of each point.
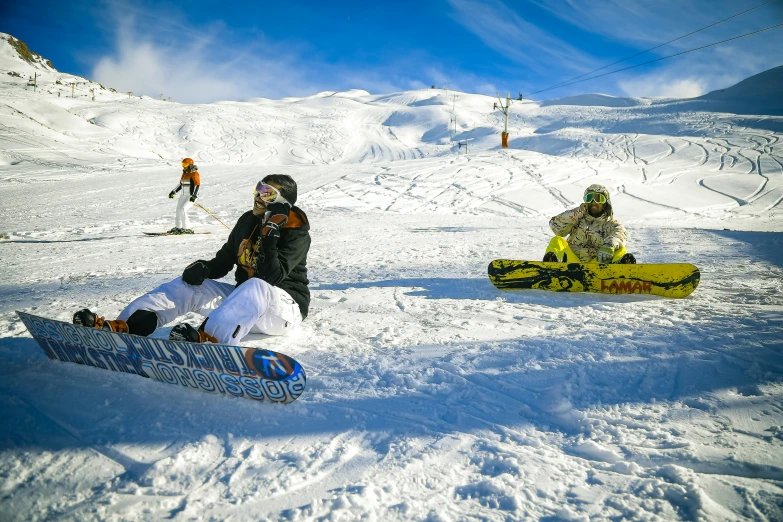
(645, 23)
(154, 56)
(197, 66)
(696, 74)
(650, 22)
(658, 87)
(161, 53)
(506, 32)
(638, 21)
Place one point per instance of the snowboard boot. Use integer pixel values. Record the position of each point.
(186, 230)
(86, 318)
(551, 257)
(175, 230)
(627, 259)
(185, 332)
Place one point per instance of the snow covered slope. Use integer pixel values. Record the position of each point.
(596, 100)
(431, 395)
(759, 94)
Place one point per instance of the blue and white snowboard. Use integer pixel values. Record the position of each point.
(253, 373)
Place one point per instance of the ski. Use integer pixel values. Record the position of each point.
(252, 373)
(666, 280)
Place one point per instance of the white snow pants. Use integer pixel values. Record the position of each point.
(254, 306)
(183, 205)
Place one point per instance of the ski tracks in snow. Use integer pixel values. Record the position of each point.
(431, 395)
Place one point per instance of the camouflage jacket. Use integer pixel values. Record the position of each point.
(586, 234)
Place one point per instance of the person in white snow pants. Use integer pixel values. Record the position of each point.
(255, 306)
(189, 184)
(268, 246)
(184, 204)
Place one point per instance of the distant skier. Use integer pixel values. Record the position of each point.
(190, 180)
(594, 235)
(268, 246)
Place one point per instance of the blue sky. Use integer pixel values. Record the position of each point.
(200, 51)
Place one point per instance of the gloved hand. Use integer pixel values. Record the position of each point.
(605, 255)
(195, 273)
(172, 194)
(192, 199)
(278, 217)
(581, 210)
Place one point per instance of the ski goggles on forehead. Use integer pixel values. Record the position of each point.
(266, 192)
(595, 196)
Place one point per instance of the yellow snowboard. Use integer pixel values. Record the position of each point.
(667, 280)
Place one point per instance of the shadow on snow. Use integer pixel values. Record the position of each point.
(508, 386)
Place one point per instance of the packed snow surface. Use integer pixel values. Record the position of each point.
(431, 395)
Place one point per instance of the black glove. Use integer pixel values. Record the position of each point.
(195, 273)
(278, 217)
(192, 199)
(171, 194)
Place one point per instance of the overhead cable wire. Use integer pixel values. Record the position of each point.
(656, 60)
(657, 46)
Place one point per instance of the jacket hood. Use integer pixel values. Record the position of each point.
(297, 219)
(608, 211)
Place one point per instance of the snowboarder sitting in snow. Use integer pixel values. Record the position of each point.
(594, 235)
(268, 246)
(192, 180)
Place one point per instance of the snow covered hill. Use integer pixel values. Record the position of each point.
(759, 94)
(431, 395)
(598, 100)
(720, 163)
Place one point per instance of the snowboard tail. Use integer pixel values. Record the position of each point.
(252, 373)
(666, 280)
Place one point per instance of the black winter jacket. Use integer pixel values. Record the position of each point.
(281, 262)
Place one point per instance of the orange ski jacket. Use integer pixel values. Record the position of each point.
(192, 179)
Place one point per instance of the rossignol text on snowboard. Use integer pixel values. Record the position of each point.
(253, 373)
(667, 280)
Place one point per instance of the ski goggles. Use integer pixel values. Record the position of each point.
(266, 192)
(595, 197)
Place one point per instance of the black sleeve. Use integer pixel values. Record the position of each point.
(225, 259)
(194, 189)
(179, 187)
(276, 263)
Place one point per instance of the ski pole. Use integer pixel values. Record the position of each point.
(211, 214)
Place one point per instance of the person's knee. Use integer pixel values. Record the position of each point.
(178, 284)
(142, 322)
(257, 287)
(557, 243)
(618, 254)
(255, 282)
